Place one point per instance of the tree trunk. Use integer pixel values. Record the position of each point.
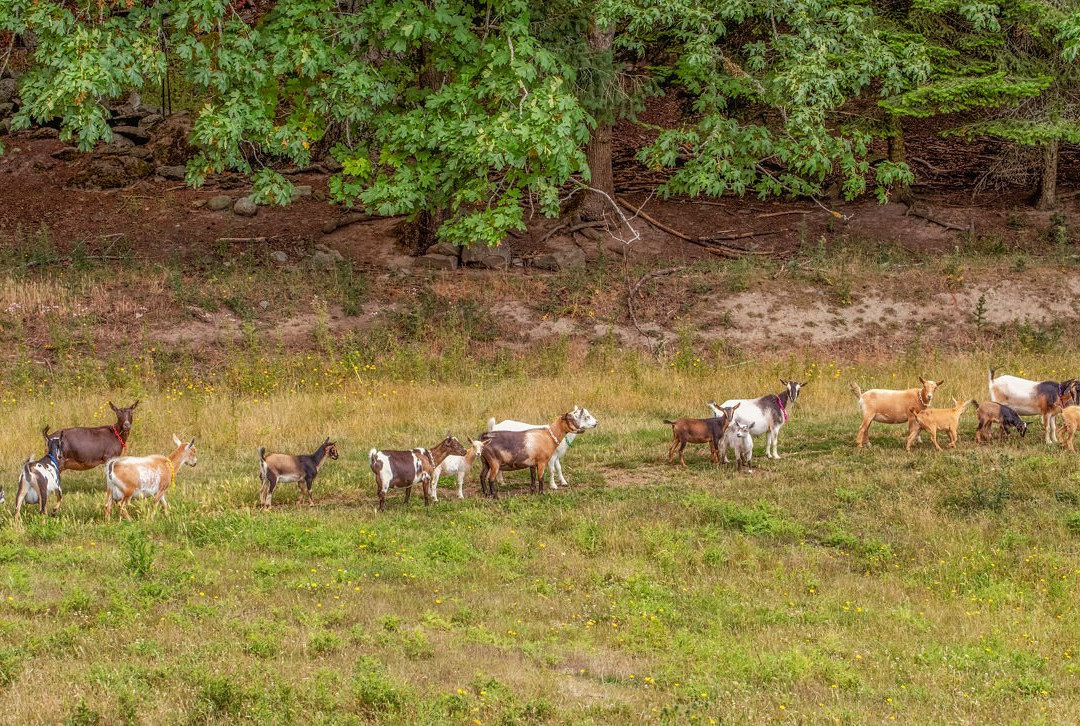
(1048, 180)
(421, 235)
(598, 151)
(898, 155)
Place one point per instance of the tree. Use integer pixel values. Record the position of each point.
(1012, 61)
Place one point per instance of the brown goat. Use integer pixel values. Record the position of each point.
(1071, 418)
(90, 447)
(937, 419)
(991, 413)
(889, 406)
(699, 431)
(302, 469)
(530, 449)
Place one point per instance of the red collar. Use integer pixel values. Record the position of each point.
(120, 438)
(782, 409)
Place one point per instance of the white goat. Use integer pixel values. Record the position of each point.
(766, 415)
(739, 438)
(454, 465)
(585, 421)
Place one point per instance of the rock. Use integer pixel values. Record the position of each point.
(318, 195)
(221, 201)
(492, 258)
(198, 204)
(444, 248)
(148, 109)
(264, 304)
(111, 172)
(126, 119)
(563, 259)
(244, 207)
(140, 152)
(119, 145)
(170, 144)
(301, 190)
(6, 109)
(150, 121)
(68, 153)
(437, 262)
(326, 260)
(279, 256)
(8, 88)
(173, 173)
(45, 132)
(133, 133)
(5, 125)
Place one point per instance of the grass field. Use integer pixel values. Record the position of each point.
(832, 586)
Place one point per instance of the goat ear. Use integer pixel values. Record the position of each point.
(132, 406)
(176, 440)
(940, 383)
(783, 382)
(804, 384)
(922, 380)
(114, 408)
(45, 433)
(191, 444)
(469, 438)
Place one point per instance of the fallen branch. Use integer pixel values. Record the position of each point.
(781, 214)
(241, 239)
(551, 232)
(701, 241)
(912, 211)
(336, 224)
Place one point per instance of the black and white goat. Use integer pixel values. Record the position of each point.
(40, 478)
(765, 415)
(404, 469)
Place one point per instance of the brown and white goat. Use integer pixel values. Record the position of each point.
(937, 419)
(128, 477)
(888, 406)
(1031, 398)
(699, 431)
(405, 469)
(459, 466)
(38, 479)
(530, 449)
(302, 469)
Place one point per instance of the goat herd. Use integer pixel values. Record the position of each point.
(514, 445)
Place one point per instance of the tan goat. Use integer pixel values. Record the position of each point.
(1071, 417)
(888, 406)
(937, 419)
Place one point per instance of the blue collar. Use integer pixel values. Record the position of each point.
(54, 461)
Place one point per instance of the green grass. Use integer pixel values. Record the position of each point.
(833, 585)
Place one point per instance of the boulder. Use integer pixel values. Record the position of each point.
(45, 132)
(118, 145)
(132, 133)
(141, 152)
(279, 257)
(6, 109)
(301, 190)
(563, 259)
(492, 258)
(437, 262)
(220, 202)
(170, 144)
(8, 88)
(150, 121)
(444, 248)
(326, 259)
(172, 173)
(245, 207)
(68, 153)
(111, 172)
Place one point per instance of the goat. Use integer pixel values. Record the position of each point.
(991, 413)
(1028, 398)
(90, 447)
(1071, 418)
(740, 439)
(699, 431)
(531, 449)
(937, 419)
(404, 469)
(128, 477)
(888, 406)
(585, 421)
(766, 415)
(454, 465)
(302, 469)
(40, 478)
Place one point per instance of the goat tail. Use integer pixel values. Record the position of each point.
(372, 454)
(491, 424)
(856, 390)
(990, 378)
(262, 453)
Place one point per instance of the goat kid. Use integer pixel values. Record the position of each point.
(888, 406)
(282, 468)
(404, 469)
(585, 421)
(1070, 416)
(135, 477)
(38, 479)
(458, 466)
(937, 419)
(740, 439)
(991, 413)
(90, 447)
(700, 431)
(531, 449)
(1028, 398)
(766, 415)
